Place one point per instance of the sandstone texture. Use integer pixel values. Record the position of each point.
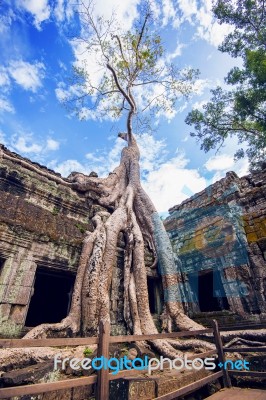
(42, 225)
(219, 235)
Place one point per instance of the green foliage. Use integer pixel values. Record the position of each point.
(124, 351)
(55, 210)
(81, 228)
(87, 352)
(240, 111)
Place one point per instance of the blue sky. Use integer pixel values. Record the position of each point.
(36, 57)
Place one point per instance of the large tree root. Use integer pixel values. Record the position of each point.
(133, 214)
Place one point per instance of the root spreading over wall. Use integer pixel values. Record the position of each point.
(131, 212)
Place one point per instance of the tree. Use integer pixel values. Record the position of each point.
(129, 60)
(239, 112)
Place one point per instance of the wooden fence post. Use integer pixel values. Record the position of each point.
(102, 391)
(220, 352)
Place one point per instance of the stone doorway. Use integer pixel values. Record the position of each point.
(51, 298)
(2, 262)
(155, 295)
(211, 294)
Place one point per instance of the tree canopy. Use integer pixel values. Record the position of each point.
(241, 111)
(132, 76)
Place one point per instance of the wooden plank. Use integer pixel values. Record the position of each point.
(252, 374)
(16, 343)
(128, 374)
(261, 396)
(103, 351)
(135, 338)
(261, 349)
(191, 387)
(225, 394)
(242, 327)
(221, 357)
(11, 343)
(238, 394)
(39, 388)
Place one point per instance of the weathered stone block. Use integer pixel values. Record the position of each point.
(3, 289)
(18, 295)
(18, 314)
(4, 312)
(82, 393)
(132, 389)
(58, 395)
(167, 383)
(26, 375)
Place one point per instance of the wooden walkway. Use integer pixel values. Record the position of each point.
(239, 394)
(103, 376)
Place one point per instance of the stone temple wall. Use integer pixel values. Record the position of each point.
(42, 226)
(219, 235)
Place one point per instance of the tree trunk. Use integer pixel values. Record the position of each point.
(135, 216)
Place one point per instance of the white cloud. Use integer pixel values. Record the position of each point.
(24, 144)
(164, 180)
(5, 105)
(176, 53)
(59, 10)
(152, 153)
(6, 20)
(188, 9)
(214, 33)
(199, 14)
(199, 105)
(52, 144)
(241, 167)
(66, 167)
(27, 75)
(200, 85)
(168, 181)
(219, 163)
(39, 9)
(168, 12)
(165, 185)
(92, 157)
(222, 163)
(62, 65)
(208, 28)
(4, 78)
(125, 11)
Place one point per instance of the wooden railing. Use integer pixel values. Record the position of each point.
(103, 376)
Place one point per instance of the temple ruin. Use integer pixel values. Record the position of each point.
(219, 235)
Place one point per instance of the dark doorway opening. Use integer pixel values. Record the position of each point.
(52, 296)
(155, 295)
(2, 262)
(211, 293)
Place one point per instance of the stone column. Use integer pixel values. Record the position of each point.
(15, 290)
